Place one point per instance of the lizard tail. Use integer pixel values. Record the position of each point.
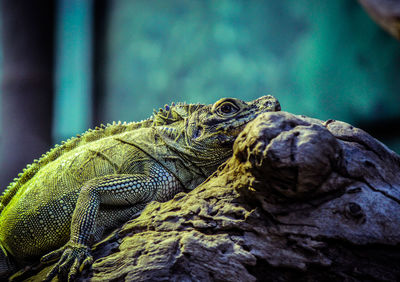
(6, 266)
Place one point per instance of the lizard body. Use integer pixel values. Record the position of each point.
(64, 201)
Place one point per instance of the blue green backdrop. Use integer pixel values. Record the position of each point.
(325, 59)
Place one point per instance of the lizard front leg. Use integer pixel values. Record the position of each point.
(111, 190)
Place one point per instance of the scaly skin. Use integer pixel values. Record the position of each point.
(54, 205)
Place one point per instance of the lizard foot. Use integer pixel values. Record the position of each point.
(73, 258)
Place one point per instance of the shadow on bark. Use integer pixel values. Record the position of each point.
(300, 200)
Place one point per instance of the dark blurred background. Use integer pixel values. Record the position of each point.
(68, 65)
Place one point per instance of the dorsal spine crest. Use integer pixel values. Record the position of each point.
(166, 116)
(65, 146)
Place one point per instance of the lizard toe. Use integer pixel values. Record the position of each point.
(86, 263)
(52, 273)
(74, 257)
(52, 256)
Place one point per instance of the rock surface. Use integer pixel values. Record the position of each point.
(300, 199)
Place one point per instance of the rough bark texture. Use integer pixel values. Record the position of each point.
(386, 13)
(300, 200)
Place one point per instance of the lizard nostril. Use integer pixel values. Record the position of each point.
(272, 105)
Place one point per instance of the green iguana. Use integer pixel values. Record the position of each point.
(64, 201)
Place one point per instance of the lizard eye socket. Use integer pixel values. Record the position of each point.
(227, 109)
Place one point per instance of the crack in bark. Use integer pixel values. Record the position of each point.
(242, 233)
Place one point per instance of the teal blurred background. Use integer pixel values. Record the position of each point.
(325, 59)
(118, 60)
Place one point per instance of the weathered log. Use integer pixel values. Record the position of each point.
(386, 13)
(300, 199)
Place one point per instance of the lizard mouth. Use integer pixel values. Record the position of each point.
(235, 130)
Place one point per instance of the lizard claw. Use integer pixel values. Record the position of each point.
(52, 256)
(73, 259)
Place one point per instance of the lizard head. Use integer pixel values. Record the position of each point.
(201, 136)
(219, 124)
(212, 129)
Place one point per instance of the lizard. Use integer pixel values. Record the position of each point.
(64, 201)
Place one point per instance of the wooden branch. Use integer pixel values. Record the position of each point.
(386, 13)
(300, 199)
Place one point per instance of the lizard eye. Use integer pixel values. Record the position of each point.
(226, 109)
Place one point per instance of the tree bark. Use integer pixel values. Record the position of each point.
(300, 199)
(386, 13)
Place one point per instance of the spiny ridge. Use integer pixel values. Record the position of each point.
(168, 115)
(173, 113)
(65, 146)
